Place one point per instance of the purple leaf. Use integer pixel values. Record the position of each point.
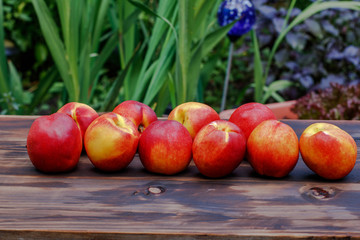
(278, 23)
(330, 28)
(296, 40)
(314, 28)
(306, 80)
(295, 12)
(281, 57)
(259, 3)
(331, 78)
(352, 51)
(267, 11)
(352, 54)
(291, 65)
(264, 40)
(334, 54)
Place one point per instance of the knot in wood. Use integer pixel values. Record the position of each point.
(155, 190)
(319, 193)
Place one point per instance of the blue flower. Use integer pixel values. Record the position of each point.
(231, 10)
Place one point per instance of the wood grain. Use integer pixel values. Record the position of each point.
(135, 204)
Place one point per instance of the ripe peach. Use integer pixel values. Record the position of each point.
(193, 116)
(218, 148)
(139, 113)
(273, 149)
(82, 114)
(249, 115)
(111, 142)
(328, 150)
(54, 143)
(165, 147)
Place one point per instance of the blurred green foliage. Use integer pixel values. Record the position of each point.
(159, 52)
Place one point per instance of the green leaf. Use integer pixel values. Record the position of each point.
(214, 37)
(275, 86)
(194, 73)
(109, 101)
(162, 100)
(56, 47)
(172, 91)
(184, 49)
(160, 73)
(71, 12)
(44, 87)
(148, 10)
(4, 74)
(84, 74)
(131, 20)
(204, 47)
(258, 70)
(288, 14)
(202, 10)
(104, 55)
(166, 9)
(206, 72)
(16, 84)
(99, 23)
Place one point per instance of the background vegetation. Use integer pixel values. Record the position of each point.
(164, 53)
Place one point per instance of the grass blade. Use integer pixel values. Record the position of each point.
(43, 88)
(162, 100)
(109, 101)
(15, 84)
(160, 74)
(184, 48)
(166, 9)
(214, 37)
(201, 15)
(99, 23)
(71, 38)
(149, 11)
(56, 47)
(288, 14)
(258, 69)
(105, 53)
(4, 74)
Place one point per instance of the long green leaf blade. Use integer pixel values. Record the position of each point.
(99, 23)
(166, 9)
(16, 87)
(56, 46)
(160, 74)
(46, 82)
(258, 69)
(72, 44)
(105, 53)
(201, 16)
(109, 101)
(4, 74)
(184, 48)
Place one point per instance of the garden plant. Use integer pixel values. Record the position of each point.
(164, 53)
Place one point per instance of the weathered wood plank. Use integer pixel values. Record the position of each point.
(132, 204)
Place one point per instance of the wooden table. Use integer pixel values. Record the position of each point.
(133, 204)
